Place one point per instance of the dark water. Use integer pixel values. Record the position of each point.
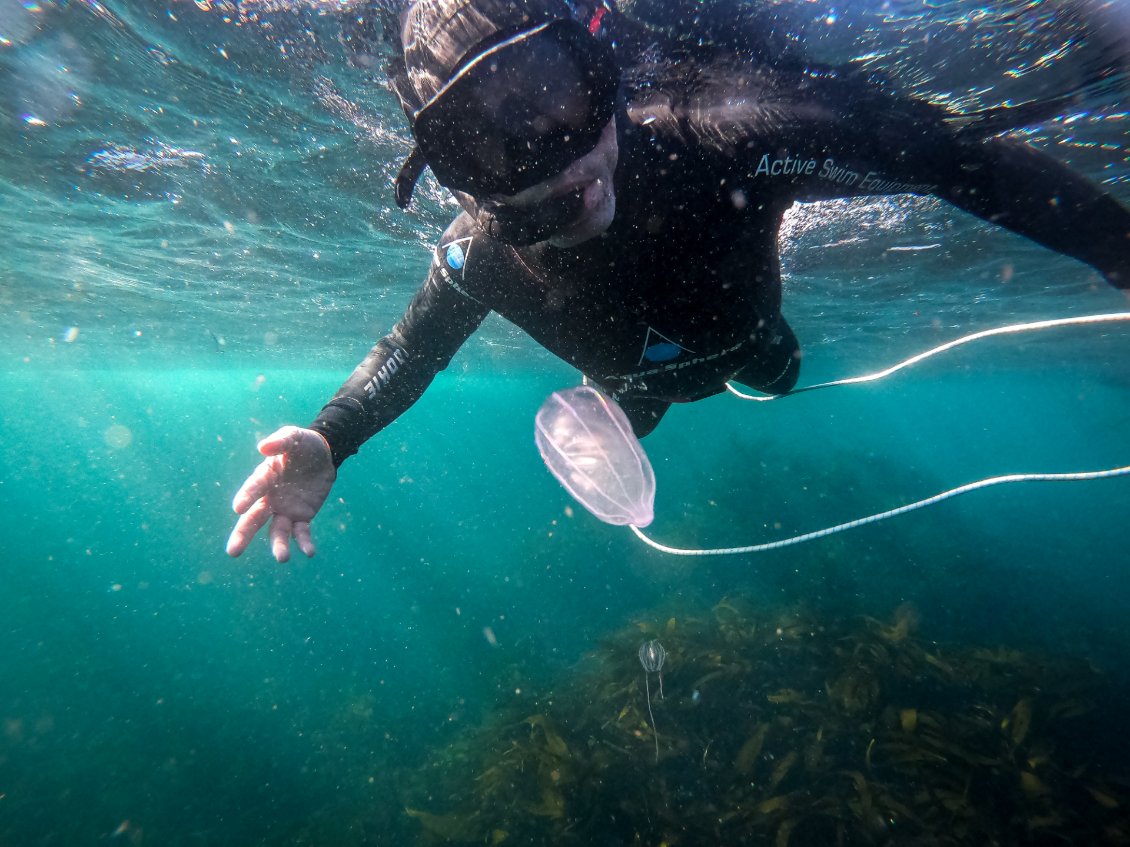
(199, 245)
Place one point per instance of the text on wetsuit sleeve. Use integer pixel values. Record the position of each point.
(872, 182)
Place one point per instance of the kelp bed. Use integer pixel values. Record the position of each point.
(789, 729)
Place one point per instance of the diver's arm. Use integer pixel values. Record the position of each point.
(292, 482)
(1029, 192)
(400, 367)
(809, 136)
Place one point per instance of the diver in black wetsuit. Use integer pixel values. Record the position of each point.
(630, 225)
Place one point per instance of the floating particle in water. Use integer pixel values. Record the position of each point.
(118, 436)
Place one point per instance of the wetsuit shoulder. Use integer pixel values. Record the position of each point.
(470, 261)
(731, 107)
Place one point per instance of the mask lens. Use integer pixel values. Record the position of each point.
(519, 115)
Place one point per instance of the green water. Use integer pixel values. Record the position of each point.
(150, 678)
(164, 314)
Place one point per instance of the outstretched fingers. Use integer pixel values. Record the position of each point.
(250, 522)
(255, 487)
(286, 489)
(282, 528)
(303, 538)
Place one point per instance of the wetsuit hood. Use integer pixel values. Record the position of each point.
(440, 37)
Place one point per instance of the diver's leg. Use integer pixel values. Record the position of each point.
(775, 366)
(644, 413)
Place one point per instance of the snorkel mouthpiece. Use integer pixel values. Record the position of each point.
(523, 227)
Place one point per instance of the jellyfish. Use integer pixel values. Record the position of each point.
(587, 442)
(652, 656)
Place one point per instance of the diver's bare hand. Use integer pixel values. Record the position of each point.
(287, 488)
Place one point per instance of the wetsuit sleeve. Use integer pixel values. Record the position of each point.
(401, 365)
(1005, 182)
(801, 136)
(1031, 193)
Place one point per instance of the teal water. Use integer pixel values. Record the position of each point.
(163, 316)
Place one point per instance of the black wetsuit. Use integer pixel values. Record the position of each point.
(683, 292)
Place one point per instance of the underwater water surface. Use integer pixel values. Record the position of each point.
(200, 243)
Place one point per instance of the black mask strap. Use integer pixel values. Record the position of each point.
(524, 227)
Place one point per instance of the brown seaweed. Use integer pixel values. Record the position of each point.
(785, 728)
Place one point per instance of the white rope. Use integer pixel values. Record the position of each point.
(914, 360)
(1082, 476)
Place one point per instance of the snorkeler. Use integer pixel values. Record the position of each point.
(625, 216)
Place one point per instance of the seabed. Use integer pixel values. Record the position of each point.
(788, 728)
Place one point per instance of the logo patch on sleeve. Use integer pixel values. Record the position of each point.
(455, 256)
